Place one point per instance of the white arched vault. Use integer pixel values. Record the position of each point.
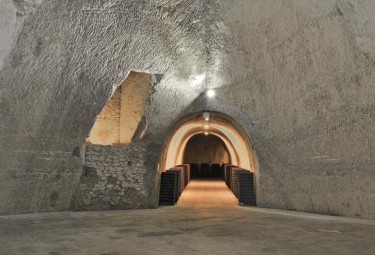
(220, 125)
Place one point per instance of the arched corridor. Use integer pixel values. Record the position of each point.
(218, 124)
(203, 151)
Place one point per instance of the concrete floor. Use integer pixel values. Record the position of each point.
(185, 229)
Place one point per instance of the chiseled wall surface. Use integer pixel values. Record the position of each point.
(298, 76)
(306, 93)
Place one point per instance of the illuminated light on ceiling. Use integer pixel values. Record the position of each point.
(206, 122)
(211, 93)
(197, 79)
(206, 115)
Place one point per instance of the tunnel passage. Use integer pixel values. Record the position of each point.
(206, 153)
(209, 160)
(206, 149)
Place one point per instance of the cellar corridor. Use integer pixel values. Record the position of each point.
(207, 192)
(207, 160)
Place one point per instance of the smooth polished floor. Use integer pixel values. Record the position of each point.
(204, 229)
(207, 192)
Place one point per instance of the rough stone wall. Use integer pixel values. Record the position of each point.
(298, 76)
(115, 177)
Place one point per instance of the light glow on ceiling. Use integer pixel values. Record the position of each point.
(211, 93)
(206, 115)
(198, 79)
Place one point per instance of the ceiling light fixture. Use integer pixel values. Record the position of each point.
(206, 115)
(211, 93)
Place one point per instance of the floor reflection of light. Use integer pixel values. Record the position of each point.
(207, 191)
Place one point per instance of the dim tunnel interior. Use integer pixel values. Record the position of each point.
(206, 153)
(207, 161)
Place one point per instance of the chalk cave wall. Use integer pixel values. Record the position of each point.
(305, 95)
(296, 75)
(64, 61)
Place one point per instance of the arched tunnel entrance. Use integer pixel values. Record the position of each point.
(207, 159)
